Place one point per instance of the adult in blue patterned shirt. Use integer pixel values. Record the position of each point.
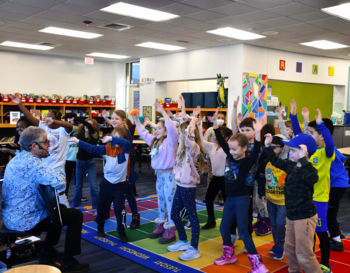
(24, 208)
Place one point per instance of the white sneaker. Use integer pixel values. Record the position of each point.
(245, 250)
(178, 246)
(190, 254)
(233, 239)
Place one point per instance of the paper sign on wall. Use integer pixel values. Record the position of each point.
(299, 67)
(282, 65)
(315, 69)
(331, 71)
(89, 60)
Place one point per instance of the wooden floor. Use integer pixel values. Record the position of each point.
(101, 260)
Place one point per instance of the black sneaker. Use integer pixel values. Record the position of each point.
(188, 225)
(54, 256)
(83, 198)
(336, 246)
(74, 266)
(122, 237)
(342, 236)
(210, 224)
(101, 231)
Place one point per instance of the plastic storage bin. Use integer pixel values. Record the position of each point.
(210, 99)
(197, 99)
(188, 99)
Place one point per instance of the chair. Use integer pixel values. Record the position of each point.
(52, 205)
(145, 152)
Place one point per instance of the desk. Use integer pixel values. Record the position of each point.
(34, 269)
(139, 143)
(345, 151)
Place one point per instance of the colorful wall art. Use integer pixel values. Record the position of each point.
(254, 99)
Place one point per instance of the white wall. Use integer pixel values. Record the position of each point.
(39, 74)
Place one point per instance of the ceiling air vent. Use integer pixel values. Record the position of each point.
(48, 44)
(115, 26)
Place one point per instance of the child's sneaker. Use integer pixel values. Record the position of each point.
(101, 231)
(83, 198)
(325, 269)
(257, 223)
(265, 227)
(190, 254)
(122, 237)
(179, 245)
(278, 254)
(257, 264)
(188, 225)
(137, 198)
(228, 257)
(272, 250)
(336, 246)
(158, 231)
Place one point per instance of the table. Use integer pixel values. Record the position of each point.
(35, 268)
(345, 151)
(139, 143)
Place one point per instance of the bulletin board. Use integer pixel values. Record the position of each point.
(308, 95)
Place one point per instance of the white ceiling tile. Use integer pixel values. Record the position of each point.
(230, 22)
(339, 28)
(93, 3)
(346, 32)
(44, 4)
(281, 31)
(298, 27)
(266, 4)
(311, 16)
(206, 16)
(132, 21)
(140, 31)
(183, 31)
(160, 26)
(314, 32)
(26, 26)
(291, 9)
(205, 26)
(16, 30)
(288, 36)
(151, 4)
(162, 35)
(6, 15)
(302, 40)
(333, 36)
(280, 22)
(184, 22)
(102, 31)
(7, 23)
(73, 26)
(208, 4)
(206, 36)
(257, 16)
(255, 27)
(72, 9)
(8, 34)
(123, 35)
(105, 16)
(180, 9)
(320, 4)
(21, 9)
(329, 22)
(234, 9)
(58, 16)
(41, 22)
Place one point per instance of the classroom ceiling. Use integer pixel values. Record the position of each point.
(296, 21)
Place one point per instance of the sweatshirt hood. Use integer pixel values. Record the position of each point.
(285, 151)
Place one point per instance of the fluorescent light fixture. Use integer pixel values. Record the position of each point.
(342, 11)
(139, 12)
(71, 33)
(235, 33)
(105, 55)
(324, 44)
(29, 46)
(160, 46)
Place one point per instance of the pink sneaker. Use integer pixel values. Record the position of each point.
(158, 231)
(169, 235)
(228, 257)
(257, 264)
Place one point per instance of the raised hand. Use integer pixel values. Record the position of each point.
(319, 116)
(73, 139)
(215, 118)
(48, 121)
(268, 140)
(147, 122)
(196, 111)
(15, 99)
(170, 114)
(159, 107)
(235, 103)
(302, 151)
(239, 116)
(104, 114)
(199, 122)
(106, 139)
(257, 125)
(12, 144)
(182, 100)
(279, 111)
(293, 107)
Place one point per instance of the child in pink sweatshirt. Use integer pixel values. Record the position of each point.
(163, 148)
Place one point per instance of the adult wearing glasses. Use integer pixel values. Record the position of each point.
(57, 133)
(24, 208)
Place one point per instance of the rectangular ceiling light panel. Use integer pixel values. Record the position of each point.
(70, 33)
(29, 46)
(324, 44)
(236, 33)
(160, 46)
(139, 12)
(342, 11)
(105, 55)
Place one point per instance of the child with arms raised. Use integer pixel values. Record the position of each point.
(237, 195)
(190, 153)
(163, 148)
(113, 185)
(321, 160)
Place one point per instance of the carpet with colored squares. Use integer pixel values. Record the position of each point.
(150, 253)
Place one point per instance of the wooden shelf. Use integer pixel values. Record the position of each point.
(60, 105)
(6, 125)
(202, 109)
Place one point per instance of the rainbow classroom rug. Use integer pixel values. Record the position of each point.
(150, 253)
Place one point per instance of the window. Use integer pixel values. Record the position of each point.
(135, 73)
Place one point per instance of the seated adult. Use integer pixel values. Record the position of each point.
(24, 208)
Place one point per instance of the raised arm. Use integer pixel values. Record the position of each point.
(326, 135)
(25, 111)
(294, 119)
(305, 113)
(183, 108)
(281, 124)
(125, 144)
(104, 115)
(234, 116)
(93, 149)
(308, 170)
(66, 125)
(85, 123)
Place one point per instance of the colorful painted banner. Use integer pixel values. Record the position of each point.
(146, 81)
(299, 67)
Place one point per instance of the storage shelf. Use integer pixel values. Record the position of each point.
(6, 125)
(202, 109)
(59, 105)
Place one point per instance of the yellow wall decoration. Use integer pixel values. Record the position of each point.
(315, 69)
(330, 70)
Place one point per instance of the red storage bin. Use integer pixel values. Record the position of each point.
(97, 102)
(67, 101)
(94, 115)
(5, 99)
(90, 102)
(30, 100)
(38, 100)
(170, 105)
(74, 102)
(103, 102)
(52, 101)
(46, 101)
(60, 101)
(81, 101)
(23, 100)
(110, 102)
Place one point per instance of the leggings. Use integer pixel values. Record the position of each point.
(217, 184)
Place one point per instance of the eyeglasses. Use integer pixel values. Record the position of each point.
(46, 141)
(275, 147)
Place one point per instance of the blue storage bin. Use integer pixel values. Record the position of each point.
(198, 99)
(188, 99)
(210, 99)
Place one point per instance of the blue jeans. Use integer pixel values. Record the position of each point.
(237, 208)
(278, 216)
(186, 197)
(83, 166)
